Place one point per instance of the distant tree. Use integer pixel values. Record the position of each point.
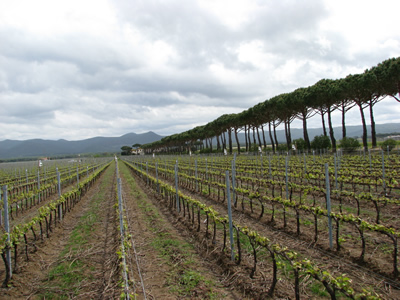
(349, 144)
(321, 142)
(126, 150)
(136, 145)
(391, 143)
(300, 144)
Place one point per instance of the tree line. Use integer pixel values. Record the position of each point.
(323, 98)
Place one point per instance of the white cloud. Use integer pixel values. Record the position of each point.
(79, 69)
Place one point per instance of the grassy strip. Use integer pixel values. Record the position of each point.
(183, 279)
(66, 279)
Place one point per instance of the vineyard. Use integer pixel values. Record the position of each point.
(247, 226)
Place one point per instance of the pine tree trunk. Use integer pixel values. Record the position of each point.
(276, 140)
(223, 139)
(373, 131)
(237, 140)
(305, 133)
(343, 121)
(254, 137)
(245, 138)
(331, 133)
(248, 136)
(271, 138)
(258, 136)
(263, 135)
(230, 140)
(323, 123)
(287, 135)
(364, 125)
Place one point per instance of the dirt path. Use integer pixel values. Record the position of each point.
(170, 267)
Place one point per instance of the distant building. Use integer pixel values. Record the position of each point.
(137, 151)
(393, 137)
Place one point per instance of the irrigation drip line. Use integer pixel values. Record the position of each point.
(134, 250)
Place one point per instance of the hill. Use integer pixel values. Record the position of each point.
(39, 147)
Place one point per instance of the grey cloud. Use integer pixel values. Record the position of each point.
(114, 83)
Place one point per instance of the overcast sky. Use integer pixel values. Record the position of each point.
(83, 68)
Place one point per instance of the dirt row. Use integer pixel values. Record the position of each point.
(165, 261)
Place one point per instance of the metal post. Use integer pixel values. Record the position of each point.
(158, 187)
(59, 195)
(38, 183)
(336, 184)
(206, 170)
(7, 229)
(27, 181)
(233, 181)
(1, 211)
(230, 215)
(370, 163)
(269, 165)
(176, 187)
(286, 178)
(77, 176)
(147, 173)
(328, 205)
(197, 182)
(383, 173)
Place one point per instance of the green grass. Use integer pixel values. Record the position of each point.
(318, 289)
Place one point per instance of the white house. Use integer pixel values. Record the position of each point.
(137, 151)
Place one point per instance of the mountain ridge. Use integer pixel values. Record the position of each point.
(41, 147)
